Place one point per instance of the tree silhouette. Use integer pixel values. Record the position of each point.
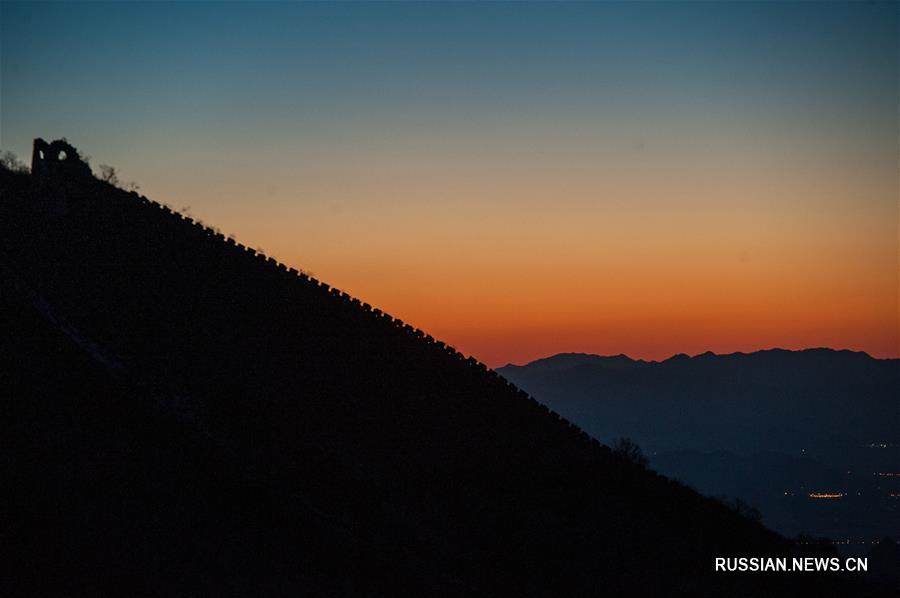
(108, 175)
(10, 161)
(741, 508)
(628, 449)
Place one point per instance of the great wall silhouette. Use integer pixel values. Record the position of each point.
(323, 445)
(59, 164)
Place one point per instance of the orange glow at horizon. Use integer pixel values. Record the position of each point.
(673, 255)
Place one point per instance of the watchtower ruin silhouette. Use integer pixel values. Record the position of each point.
(57, 158)
(60, 173)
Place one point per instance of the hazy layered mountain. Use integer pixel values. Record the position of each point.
(185, 416)
(818, 401)
(771, 427)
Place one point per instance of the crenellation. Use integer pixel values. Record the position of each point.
(48, 165)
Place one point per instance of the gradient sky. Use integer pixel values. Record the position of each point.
(516, 179)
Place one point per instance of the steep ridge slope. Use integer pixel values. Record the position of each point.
(197, 418)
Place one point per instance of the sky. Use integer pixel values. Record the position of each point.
(517, 179)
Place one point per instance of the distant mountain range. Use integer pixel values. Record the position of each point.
(184, 416)
(820, 401)
(760, 426)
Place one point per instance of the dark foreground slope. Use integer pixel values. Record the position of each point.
(183, 417)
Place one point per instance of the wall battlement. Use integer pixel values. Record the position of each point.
(58, 167)
(348, 301)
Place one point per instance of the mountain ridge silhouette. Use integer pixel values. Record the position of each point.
(569, 358)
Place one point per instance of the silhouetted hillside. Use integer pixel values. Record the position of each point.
(184, 416)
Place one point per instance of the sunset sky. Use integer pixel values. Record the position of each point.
(518, 179)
